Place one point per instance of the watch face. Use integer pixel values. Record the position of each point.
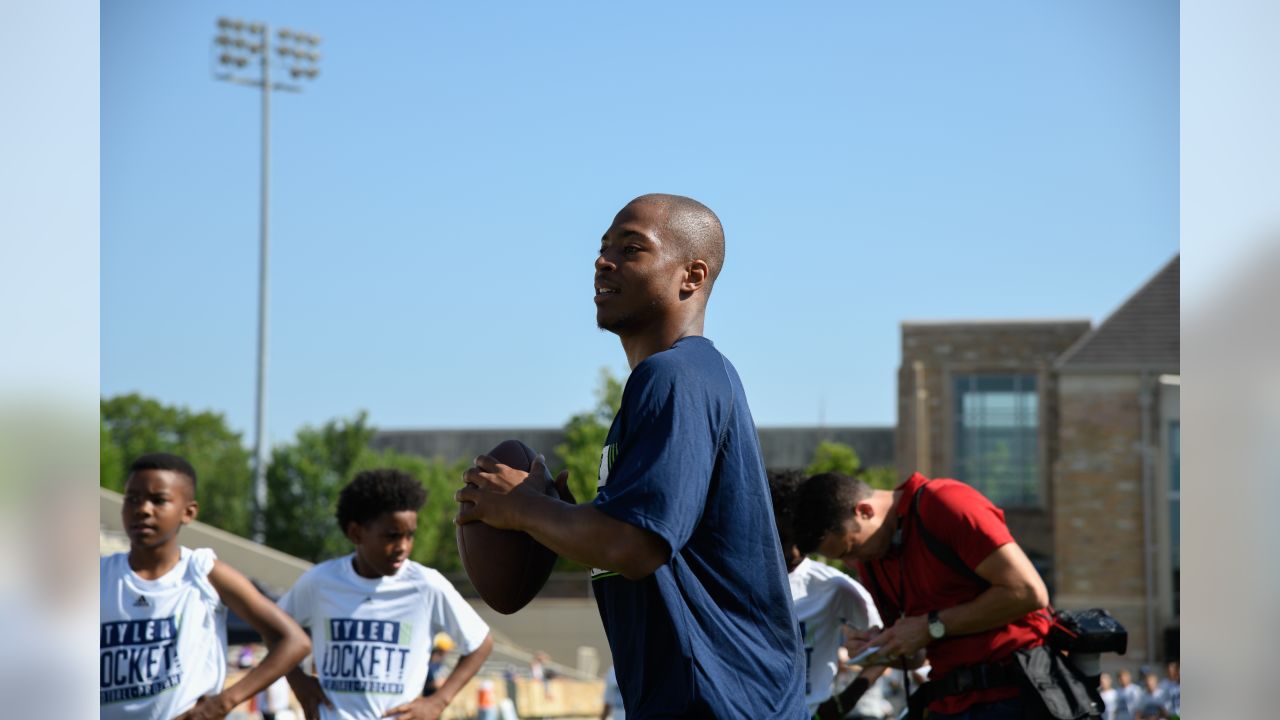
(937, 629)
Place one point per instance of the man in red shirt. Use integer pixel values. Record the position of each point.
(938, 556)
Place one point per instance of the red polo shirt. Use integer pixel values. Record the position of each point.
(973, 527)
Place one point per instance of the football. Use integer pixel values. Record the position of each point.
(507, 567)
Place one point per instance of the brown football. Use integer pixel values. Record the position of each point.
(507, 567)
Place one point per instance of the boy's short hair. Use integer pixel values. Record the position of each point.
(374, 492)
(165, 461)
(784, 485)
(823, 503)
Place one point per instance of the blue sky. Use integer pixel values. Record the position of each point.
(439, 191)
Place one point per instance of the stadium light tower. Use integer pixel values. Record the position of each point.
(236, 49)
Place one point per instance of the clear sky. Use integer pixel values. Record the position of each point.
(439, 191)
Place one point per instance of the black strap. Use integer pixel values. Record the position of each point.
(940, 549)
(877, 592)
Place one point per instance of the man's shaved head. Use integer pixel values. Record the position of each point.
(694, 227)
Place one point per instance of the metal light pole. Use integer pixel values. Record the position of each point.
(233, 47)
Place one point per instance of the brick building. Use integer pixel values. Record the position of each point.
(977, 401)
(1117, 476)
(1074, 431)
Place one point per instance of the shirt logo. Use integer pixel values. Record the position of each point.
(364, 656)
(141, 602)
(139, 658)
(608, 456)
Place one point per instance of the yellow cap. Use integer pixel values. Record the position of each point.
(442, 641)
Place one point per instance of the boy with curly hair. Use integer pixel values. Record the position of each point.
(373, 614)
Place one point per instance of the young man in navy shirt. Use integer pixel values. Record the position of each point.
(689, 575)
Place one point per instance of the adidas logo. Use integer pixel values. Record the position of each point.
(141, 602)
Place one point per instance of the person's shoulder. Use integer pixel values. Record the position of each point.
(330, 569)
(821, 572)
(955, 494)
(111, 568)
(690, 353)
(200, 561)
(425, 578)
(835, 577)
(690, 363)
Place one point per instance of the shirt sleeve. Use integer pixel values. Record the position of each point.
(199, 566)
(455, 616)
(662, 472)
(970, 522)
(297, 601)
(856, 605)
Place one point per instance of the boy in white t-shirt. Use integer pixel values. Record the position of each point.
(373, 614)
(826, 601)
(163, 608)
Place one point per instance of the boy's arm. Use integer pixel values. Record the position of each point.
(837, 706)
(468, 665)
(286, 642)
(433, 705)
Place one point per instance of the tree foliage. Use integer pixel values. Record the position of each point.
(834, 457)
(303, 481)
(133, 425)
(305, 477)
(838, 457)
(585, 434)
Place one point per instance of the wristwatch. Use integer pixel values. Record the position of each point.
(937, 630)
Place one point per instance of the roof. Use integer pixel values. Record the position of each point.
(1014, 322)
(1142, 334)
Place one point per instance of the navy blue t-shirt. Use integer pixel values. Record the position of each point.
(712, 633)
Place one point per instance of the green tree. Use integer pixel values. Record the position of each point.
(134, 425)
(881, 477)
(585, 434)
(110, 460)
(840, 458)
(303, 481)
(305, 477)
(834, 457)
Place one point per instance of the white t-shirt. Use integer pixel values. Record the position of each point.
(162, 642)
(1127, 699)
(275, 698)
(826, 598)
(371, 637)
(1109, 697)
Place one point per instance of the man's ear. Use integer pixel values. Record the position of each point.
(354, 532)
(695, 276)
(864, 510)
(190, 513)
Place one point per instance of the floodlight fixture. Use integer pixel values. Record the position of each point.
(300, 63)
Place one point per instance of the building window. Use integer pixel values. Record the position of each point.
(1175, 511)
(997, 443)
